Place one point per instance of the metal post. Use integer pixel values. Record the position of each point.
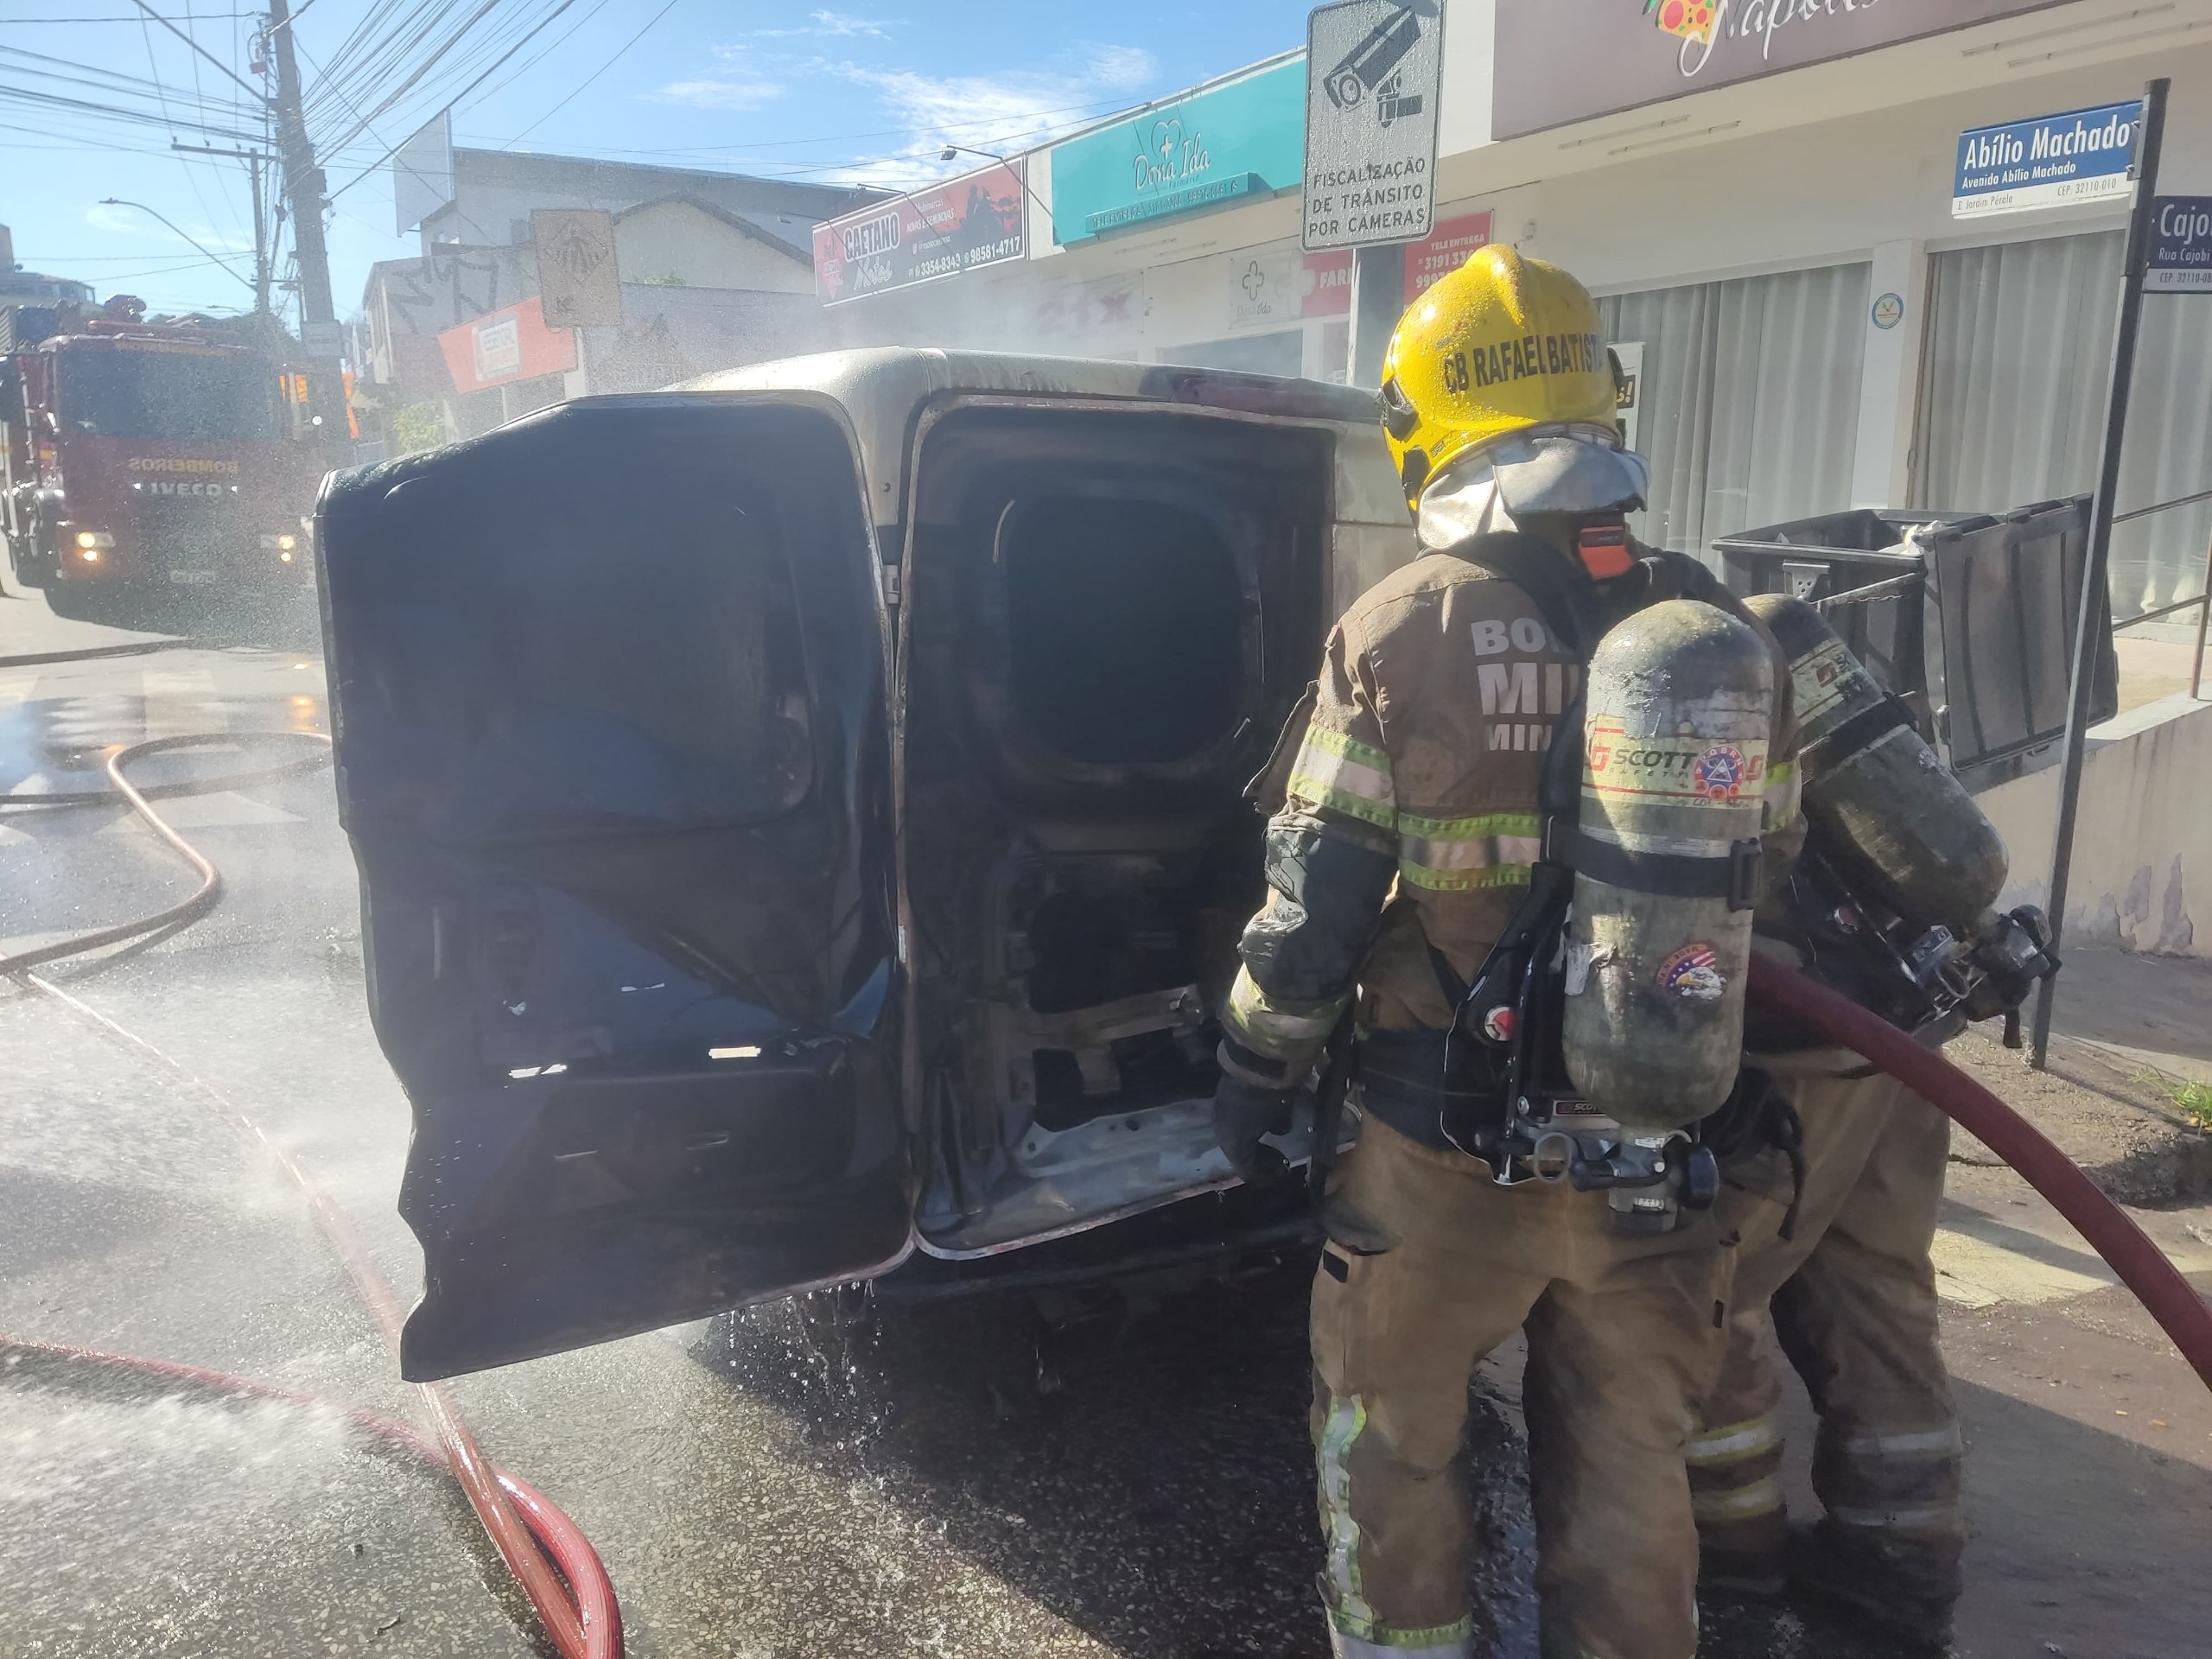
(1378, 298)
(2094, 580)
(260, 242)
(253, 159)
(2203, 617)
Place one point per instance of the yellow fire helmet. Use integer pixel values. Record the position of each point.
(1505, 359)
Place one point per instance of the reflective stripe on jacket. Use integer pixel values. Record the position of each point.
(1438, 694)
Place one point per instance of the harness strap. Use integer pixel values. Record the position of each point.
(1855, 733)
(1734, 875)
(1564, 596)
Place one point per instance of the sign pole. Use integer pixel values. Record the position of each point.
(2134, 265)
(1378, 285)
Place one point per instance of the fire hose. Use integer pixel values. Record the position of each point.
(2182, 1314)
(576, 1605)
(556, 1534)
(584, 1620)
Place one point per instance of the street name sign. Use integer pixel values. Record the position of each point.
(1373, 72)
(2053, 161)
(2181, 246)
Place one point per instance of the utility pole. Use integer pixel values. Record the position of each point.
(303, 180)
(260, 238)
(253, 159)
(303, 186)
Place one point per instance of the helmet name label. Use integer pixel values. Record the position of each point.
(1524, 357)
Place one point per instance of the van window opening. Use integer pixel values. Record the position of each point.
(1127, 624)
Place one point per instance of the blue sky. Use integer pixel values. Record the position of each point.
(781, 87)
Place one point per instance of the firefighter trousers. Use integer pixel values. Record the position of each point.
(1429, 1266)
(1852, 1299)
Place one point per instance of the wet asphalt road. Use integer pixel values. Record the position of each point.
(779, 1484)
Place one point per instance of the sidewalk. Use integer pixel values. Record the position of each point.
(2126, 1028)
(2154, 666)
(2150, 1011)
(28, 628)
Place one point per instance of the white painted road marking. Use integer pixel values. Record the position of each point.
(220, 810)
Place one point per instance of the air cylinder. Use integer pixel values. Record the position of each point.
(1875, 789)
(1681, 705)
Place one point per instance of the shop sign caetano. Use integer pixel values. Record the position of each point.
(972, 220)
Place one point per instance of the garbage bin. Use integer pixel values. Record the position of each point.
(1969, 618)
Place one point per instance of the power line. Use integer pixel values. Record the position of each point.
(136, 18)
(254, 92)
(113, 80)
(193, 179)
(432, 59)
(582, 24)
(327, 150)
(464, 92)
(54, 100)
(593, 76)
(995, 122)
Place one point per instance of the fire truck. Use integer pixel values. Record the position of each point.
(144, 459)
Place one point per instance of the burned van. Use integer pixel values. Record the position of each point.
(800, 819)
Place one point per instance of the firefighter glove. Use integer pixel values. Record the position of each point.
(1243, 1113)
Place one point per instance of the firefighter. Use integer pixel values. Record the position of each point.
(1405, 842)
(1853, 1296)
(1848, 1275)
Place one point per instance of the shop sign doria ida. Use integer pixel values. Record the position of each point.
(1238, 138)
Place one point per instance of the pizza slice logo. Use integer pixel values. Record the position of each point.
(1691, 19)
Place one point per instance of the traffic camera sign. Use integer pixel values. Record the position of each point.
(1373, 69)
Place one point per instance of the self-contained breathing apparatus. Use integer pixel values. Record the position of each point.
(1653, 958)
(1893, 901)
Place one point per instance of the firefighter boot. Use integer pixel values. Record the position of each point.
(1879, 1580)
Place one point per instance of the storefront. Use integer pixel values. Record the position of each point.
(1765, 211)
(1262, 306)
(1820, 329)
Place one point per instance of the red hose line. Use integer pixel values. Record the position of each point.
(571, 1625)
(210, 880)
(558, 1536)
(590, 1626)
(564, 1541)
(2143, 1267)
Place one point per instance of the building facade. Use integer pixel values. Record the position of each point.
(1766, 215)
(715, 271)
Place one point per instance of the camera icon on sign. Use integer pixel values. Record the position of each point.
(1373, 61)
